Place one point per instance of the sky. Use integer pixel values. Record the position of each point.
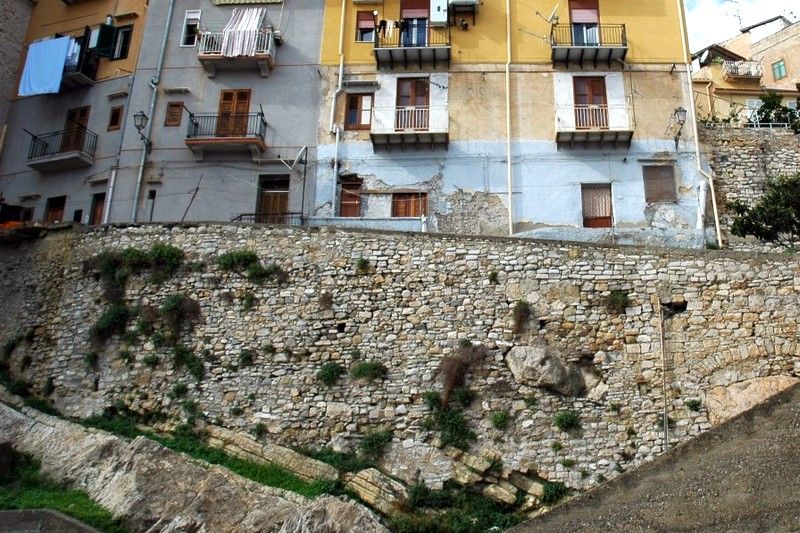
(712, 21)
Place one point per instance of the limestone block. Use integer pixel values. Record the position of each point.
(539, 366)
(464, 475)
(378, 491)
(333, 515)
(725, 402)
(418, 462)
(503, 492)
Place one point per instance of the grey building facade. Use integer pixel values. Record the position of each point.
(231, 137)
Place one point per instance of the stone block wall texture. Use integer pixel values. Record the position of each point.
(730, 329)
(742, 161)
(14, 18)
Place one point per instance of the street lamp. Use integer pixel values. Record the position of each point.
(680, 117)
(140, 122)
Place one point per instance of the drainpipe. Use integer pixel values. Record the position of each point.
(110, 193)
(154, 81)
(693, 113)
(335, 170)
(341, 66)
(509, 170)
(708, 97)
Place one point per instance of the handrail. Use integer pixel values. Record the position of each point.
(210, 42)
(279, 219)
(412, 35)
(593, 117)
(220, 125)
(74, 139)
(588, 35)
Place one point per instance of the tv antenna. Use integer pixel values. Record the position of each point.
(552, 19)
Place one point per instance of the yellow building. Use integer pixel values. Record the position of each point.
(510, 117)
(734, 74)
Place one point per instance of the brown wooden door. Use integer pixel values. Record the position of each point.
(54, 209)
(98, 204)
(350, 200)
(591, 108)
(413, 99)
(234, 107)
(273, 200)
(597, 207)
(75, 129)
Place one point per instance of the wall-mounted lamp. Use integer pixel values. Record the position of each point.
(140, 122)
(680, 117)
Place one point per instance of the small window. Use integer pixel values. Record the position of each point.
(779, 70)
(359, 112)
(596, 203)
(122, 43)
(191, 24)
(413, 204)
(77, 215)
(54, 209)
(659, 184)
(174, 114)
(350, 199)
(115, 118)
(26, 215)
(365, 33)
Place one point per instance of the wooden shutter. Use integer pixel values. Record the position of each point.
(366, 20)
(414, 9)
(174, 114)
(233, 108)
(106, 40)
(584, 11)
(659, 184)
(409, 204)
(350, 200)
(597, 211)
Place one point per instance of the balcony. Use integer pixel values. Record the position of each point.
(216, 53)
(742, 70)
(82, 72)
(62, 150)
(414, 45)
(593, 126)
(410, 126)
(588, 44)
(214, 132)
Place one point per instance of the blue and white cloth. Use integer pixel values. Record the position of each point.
(44, 66)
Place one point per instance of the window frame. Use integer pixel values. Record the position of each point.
(416, 198)
(358, 125)
(112, 125)
(781, 64)
(172, 124)
(187, 16)
(648, 198)
(119, 54)
(610, 217)
(359, 37)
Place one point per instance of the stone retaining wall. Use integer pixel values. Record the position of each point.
(730, 332)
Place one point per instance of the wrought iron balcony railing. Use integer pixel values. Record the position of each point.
(226, 125)
(588, 35)
(413, 35)
(211, 42)
(75, 139)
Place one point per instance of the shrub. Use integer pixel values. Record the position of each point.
(373, 444)
(91, 359)
(617, 302)
(179, 390)
(26, 362)
(345, 462)
(177, 310)
(151, 360)
(453, 369)
(693, 405)
(369, 371)
(330, 372)
(500, 419)
(557, 446)
(464, 396)
(615, 407)
(567, 420)
(452, 427)
(237, 260)
(49, 387)
(148, 315)
(113, 320)
(553, 491)
(272, 272)
(362, 266)
(259, 430)
(248, 302)
(165, 260)
(134, 260)
(158, 338)
(432, 399)
(567, 463)
(493, 279)
(521, 313)
(19, 387)
(9, 347)
(245, 357)
(182, 356)
(531, 401)
(195, 367)
(236, 410)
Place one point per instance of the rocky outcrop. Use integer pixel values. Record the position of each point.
(378, 491)
(725, 402)
(153, 488)
(246, 447)
(413, 461)
(333, 515)
(539, 366)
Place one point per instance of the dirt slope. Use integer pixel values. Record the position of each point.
(741, 476)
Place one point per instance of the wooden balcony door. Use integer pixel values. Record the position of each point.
(98, 204)
(413, 104)
(75, 129)
(234, 106)
(591, 105)
(272, 206)
(584, 15)
(414, 16)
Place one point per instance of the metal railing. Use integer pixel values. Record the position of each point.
(743, 69)
(74, 139)
(222, 125)
(414, 118)
(593, 117)
(412, 35)
(410, 119)
(277, 219)
(211, 43)
(588, 35)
